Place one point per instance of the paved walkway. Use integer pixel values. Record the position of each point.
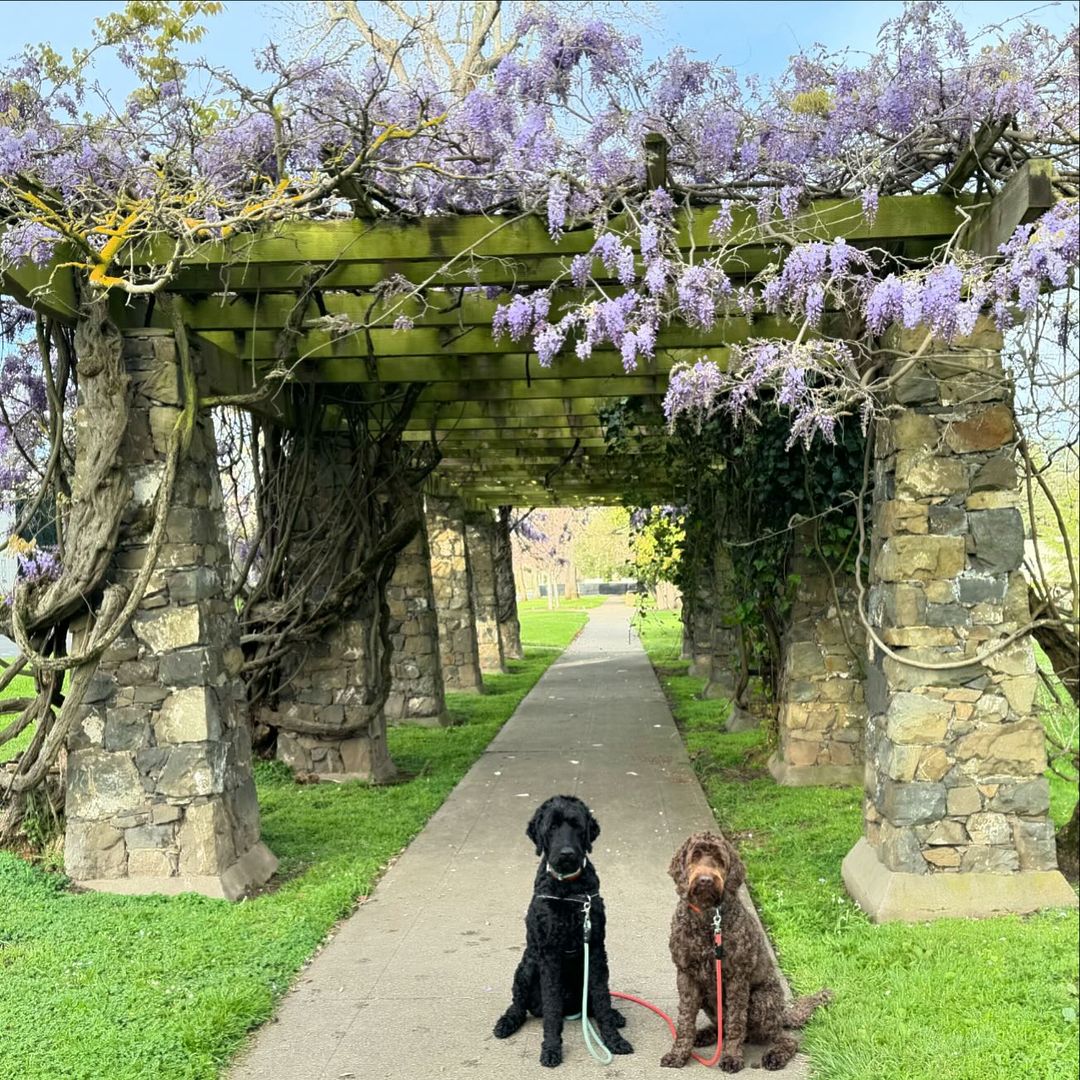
(413, 982)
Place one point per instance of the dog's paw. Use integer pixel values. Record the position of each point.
(732, 1062)
(674, 1059)
(774, 1059)
(507, 1024)
(617, 1044)
(550, 1056)
(619, 1019)
(706, 1037)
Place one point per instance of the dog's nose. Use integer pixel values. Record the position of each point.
(566, 851)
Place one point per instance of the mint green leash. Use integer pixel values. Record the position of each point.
(592, 1040)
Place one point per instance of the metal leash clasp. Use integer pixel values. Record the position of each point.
(587, 925)
(717, 921)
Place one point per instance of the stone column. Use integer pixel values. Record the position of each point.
(451, 581)
(505, 589)
(416, 689)
(160, 795)
(821, 711)
(956, 799)
(722, 641)
(332, 689)
(480, 541)
(710, 633)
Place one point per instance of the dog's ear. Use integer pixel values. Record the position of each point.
(592, 829)
(536, 828)
(677, 869)
(736, 872)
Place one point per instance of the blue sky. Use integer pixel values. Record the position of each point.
(752, 37)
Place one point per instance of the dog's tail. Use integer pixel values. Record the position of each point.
(801, 1009)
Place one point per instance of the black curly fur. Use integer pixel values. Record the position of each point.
(549, 977)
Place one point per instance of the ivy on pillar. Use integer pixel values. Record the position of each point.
(505, 589)
(451, 580)
(331, 688)
(480, 540)
(160, 795)
(956, 801)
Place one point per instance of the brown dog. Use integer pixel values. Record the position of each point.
(707, 874)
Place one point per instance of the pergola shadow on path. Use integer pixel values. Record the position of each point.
(159, 789)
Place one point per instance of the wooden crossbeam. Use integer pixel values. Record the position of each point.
(1026, 196)
(520, 391)
(49, 290)
(504, 425)
(457, 237)
(450, 309)
(425, 342)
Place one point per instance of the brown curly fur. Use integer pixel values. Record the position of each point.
(708, 872)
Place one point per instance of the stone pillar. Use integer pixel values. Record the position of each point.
(956, 799)
(331, 690)
(160, 795)
(505, 589)
(451, 581)
(821, 711)
(480, 541)
(416, 688)
(710, 633)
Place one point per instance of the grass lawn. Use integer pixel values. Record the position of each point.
(992, 999)
(97, 987)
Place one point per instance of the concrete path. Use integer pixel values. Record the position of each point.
(413, 982)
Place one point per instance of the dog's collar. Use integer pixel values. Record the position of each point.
(715, 910)
(568, 877)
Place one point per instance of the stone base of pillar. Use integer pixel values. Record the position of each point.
(790, 775)
(251, 870)
(891, 896)
(721, 684)
(361, 757)
(420, 712)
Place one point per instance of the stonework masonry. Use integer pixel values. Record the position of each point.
(821, 713)
(416, 689)
(956, 801)
(160, 795)
(480, 540)
(451, 580)
(711, 634)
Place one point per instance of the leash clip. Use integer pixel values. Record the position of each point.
(587, 925)
(717, 921)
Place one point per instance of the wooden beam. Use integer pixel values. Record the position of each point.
(458, 237)
(520, 390)
(430, 342)
(585, 409)
(49, 290)
(1026, 196)
(450, 310)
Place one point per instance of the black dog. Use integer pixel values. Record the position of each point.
(548, 980)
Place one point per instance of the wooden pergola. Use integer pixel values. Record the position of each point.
(511, 430)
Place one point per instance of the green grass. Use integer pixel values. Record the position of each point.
(97, 987)
(21, 686)
(992, 999)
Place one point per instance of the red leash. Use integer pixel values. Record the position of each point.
(718, 944)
